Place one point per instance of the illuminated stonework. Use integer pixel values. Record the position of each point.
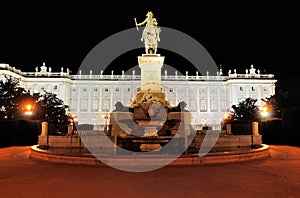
(92, 96)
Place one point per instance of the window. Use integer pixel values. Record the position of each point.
(74, 93)
(192, 90)
(95, 105)
(84, 105)
(84, 91)
(241, 89)
(117, 89)
(203, 106)
(73, 104)
(128, 89)
(55, 87)
(105, 105)
(95, 89)
(252, 89)
(106, 90)
(214, 105)
(192, 105)
(203, 92)
(171, 90)
(223, 105)
(213, 92)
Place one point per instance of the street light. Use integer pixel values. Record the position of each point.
(73, 122)
(105, 117)
(28, 108)
(226, 116)
(264, 112)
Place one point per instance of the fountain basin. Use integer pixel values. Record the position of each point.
(186, 159)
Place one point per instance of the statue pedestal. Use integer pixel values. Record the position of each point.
(151, 65)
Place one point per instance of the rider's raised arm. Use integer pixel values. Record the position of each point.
(154, 21)
(142, 23)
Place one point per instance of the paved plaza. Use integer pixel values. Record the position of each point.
(277, 176)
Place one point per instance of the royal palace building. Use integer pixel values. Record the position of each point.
(208, 97)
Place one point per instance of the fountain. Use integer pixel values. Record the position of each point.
(150, 122)
(150, 125)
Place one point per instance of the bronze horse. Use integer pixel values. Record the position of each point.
(151, 36)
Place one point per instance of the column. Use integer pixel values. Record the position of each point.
(255, 131)
(44, 129)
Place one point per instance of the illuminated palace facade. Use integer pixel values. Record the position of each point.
(90, 97)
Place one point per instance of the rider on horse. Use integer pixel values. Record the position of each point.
(150, 34)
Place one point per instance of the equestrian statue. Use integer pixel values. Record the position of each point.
(150, 34)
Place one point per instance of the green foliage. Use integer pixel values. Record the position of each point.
(246, 110)
(11, 96)
(13, 100)
(52, 109)
(276, 103)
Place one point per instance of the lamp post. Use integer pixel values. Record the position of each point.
(73, 122)
(105, 118)
(28, 108)
(264, 112)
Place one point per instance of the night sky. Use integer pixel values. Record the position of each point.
(236, 34)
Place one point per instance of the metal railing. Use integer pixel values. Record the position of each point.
(138, 77)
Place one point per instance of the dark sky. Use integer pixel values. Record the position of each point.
(236, 34)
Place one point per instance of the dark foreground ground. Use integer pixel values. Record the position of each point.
(277, 176)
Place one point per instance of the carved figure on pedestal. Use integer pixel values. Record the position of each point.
(150, 99)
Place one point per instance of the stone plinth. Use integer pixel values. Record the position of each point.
(151, 65)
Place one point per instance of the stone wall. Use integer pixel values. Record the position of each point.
(230, 141)
(61, 141)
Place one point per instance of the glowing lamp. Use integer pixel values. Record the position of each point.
(28, 108)
(264, 111)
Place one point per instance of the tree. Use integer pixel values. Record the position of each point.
(11, 97)
(14, 100)
(52, 109)
(246, 110)
(276, 103)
